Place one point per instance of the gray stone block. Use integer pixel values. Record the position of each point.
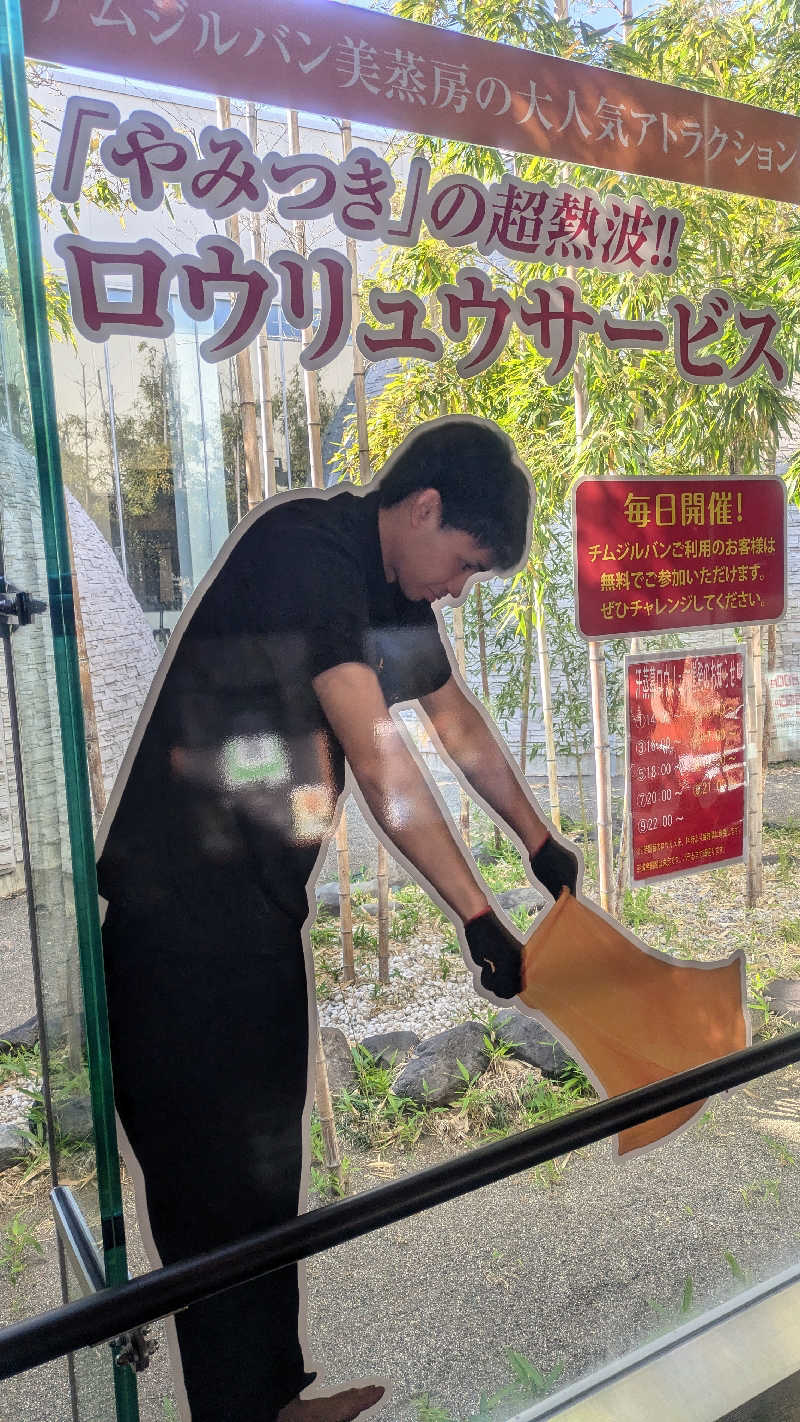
(390, 1048)
(339, 1058)
(13, 1146)
(26, 1035)
(433, 1076)
(783, 996)
(531, 1042)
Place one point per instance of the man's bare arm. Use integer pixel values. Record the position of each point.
(393, 784)
(484, 759)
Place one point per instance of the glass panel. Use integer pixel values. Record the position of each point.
(43, 794)
(579, 1260)
(480, 1307)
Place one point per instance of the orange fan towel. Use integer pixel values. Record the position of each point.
(631, 1016)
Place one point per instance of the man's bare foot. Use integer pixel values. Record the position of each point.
(339, 1407)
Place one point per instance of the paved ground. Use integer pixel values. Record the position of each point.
(568, 1271)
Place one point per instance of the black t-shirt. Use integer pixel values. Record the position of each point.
(237, 774)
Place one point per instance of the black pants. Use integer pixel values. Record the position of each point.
(209, 1045)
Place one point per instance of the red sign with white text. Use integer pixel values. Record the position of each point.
(657, 555)
(686, 762)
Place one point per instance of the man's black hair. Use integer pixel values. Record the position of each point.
(484, 490)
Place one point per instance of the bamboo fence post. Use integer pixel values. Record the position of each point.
(597, 665)
(265, 379)
(754, 722)
(365, 474)
(322, 1092)
(480, 617)
(244, 369)
(359, 391)
(525, 695)
(461, 662)
(602, 766)
(769, 720)
(547, 711)
(345, 901)
(383, 914)
(310, 377)
(620, 882)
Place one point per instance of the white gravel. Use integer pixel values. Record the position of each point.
(418, 998)
(15, 1105)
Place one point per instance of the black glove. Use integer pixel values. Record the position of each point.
(497, 952)
(555, 867)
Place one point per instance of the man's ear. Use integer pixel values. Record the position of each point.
(426, 508)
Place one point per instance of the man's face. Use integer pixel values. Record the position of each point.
(435, 562)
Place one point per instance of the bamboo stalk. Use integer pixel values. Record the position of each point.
(769, 719)
(480, 617)
(602, 763)
(461, 662)
(345, 900)
(310, 377)
(755, 811)
(265, 382)
(383, 914)
(597, 674)
(525, 695)
(622, 875)
(547, 711)
(359, 390)
(322, 1092)
(365, 474)
(244, 369)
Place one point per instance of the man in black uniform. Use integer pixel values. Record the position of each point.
(315, 618)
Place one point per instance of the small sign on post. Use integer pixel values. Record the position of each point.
(783, 689)
(686, 762)
(658, 555)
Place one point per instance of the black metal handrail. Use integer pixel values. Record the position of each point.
(113, 1311)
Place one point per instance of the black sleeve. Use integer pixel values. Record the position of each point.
(308, 588)
(409, 655)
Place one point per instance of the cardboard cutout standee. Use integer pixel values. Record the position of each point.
(315, 619)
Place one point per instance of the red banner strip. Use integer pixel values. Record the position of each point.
(339, 60)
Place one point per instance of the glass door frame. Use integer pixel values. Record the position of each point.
(36, 343)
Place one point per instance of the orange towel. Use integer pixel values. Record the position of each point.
(632, 1016)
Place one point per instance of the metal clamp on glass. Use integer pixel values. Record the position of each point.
(133, 1349)
(18, 606)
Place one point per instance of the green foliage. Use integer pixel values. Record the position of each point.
(325, 931)
(637, 909)
(408, 910)
(16, 1242)
(506, 871)
(170, 1410)
(642, 418)
(763, 1190)
(20, 1065)
(781, 1151)
(528, 1382)
(741, 1275)
(683, 1311)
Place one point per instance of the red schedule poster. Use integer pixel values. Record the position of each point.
(655, 555)
(686, 762)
